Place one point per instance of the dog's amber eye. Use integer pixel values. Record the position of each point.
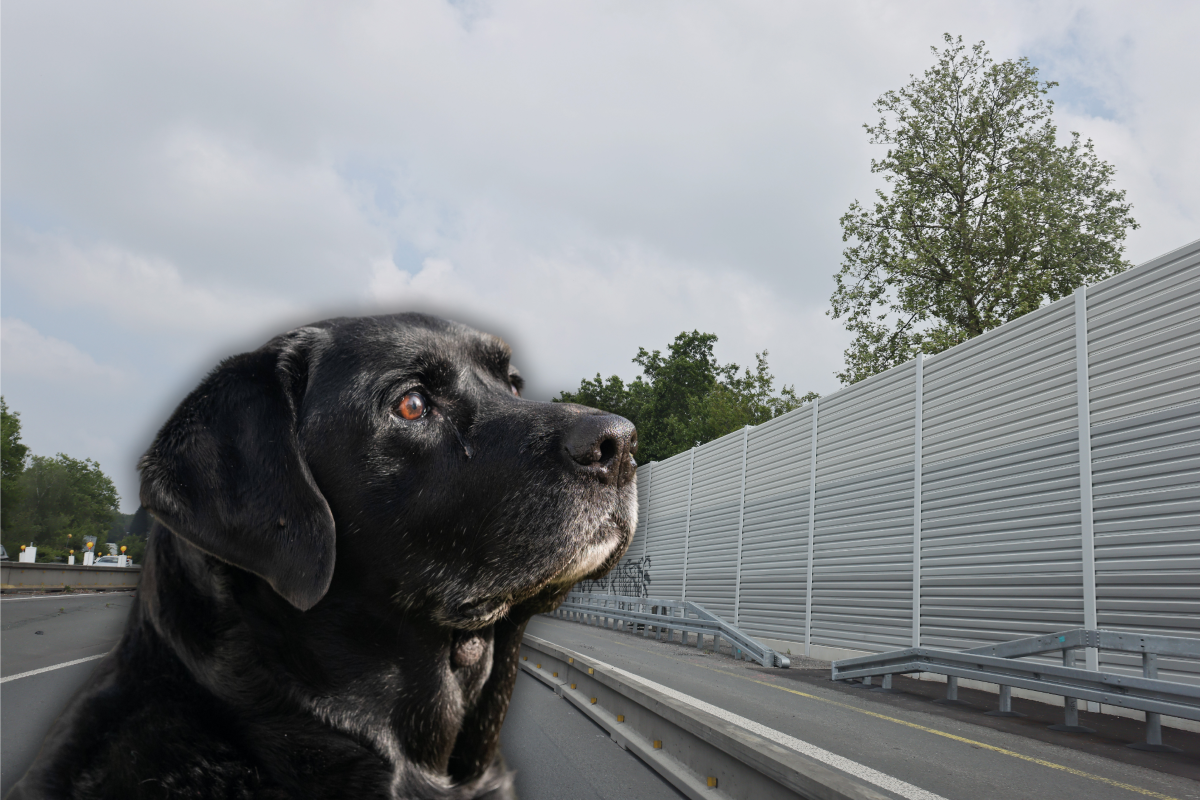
(412, 406)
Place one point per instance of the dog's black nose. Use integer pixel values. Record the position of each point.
(602, 445)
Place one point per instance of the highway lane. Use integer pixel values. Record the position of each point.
(555, 750)
(37, 632)
(946, 755)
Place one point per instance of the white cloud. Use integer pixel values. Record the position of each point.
(30, 355)
(435, 281)
(138, 292)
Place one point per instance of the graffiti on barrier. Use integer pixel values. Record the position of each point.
(630, 578)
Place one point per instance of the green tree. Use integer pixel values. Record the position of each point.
(13, 456)
(985, 216)
(62, 497)
(118, 529)
(135, 547)
(686, 397)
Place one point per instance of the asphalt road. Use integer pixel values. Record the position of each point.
(555, 750)
(39, 632)
(938, 750)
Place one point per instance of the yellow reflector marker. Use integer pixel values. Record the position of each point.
(712, 782)
(570, 661)
(591, 671)
(524, 658)
(658, 744)
(572, 686)
(539, 666)
(554, 674)
(593, 701)
(620, 717)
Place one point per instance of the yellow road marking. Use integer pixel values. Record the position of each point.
(935, 731)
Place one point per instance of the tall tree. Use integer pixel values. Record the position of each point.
(13, 456)
(687, 397)
(985, 216)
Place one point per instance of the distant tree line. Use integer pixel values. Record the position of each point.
(56, 502)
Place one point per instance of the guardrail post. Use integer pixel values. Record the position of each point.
(886, 686)
(951, 698)
(1070, 704)
(1153, 741)
(1005, 709)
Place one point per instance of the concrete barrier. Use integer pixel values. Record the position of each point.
(17, 576)
(700, 754)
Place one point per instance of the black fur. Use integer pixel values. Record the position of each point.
(333, 596)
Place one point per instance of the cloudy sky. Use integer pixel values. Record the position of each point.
(183, 180)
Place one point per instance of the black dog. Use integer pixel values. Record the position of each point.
(353, 525)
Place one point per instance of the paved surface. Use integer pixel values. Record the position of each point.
(549, 743)
(946, 751)
(40, 632)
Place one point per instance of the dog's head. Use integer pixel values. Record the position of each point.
(397, 450)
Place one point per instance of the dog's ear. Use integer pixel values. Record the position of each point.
(226, 471)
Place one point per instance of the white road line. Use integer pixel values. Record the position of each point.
(880, 779)
(48, 669)
(65, 596)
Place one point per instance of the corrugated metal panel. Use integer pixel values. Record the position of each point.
(712, 544)
(1010, 385)
(668, 523)
(775, 527)
(862, 554)
(1144, 381)
(1144, 338)
(645, 481)
(1146, 485)
(1001, 553)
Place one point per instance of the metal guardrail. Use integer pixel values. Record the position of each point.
(665, 617)
(997, 664)
(704, 756)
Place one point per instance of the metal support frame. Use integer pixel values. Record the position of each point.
(916, 568)
(1088, 539)
(666, 616)
(1154, 742)
(1070, 723)
(737, 580)
(812, 527)
(649, 498)
(687, 528)
(999, 664)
